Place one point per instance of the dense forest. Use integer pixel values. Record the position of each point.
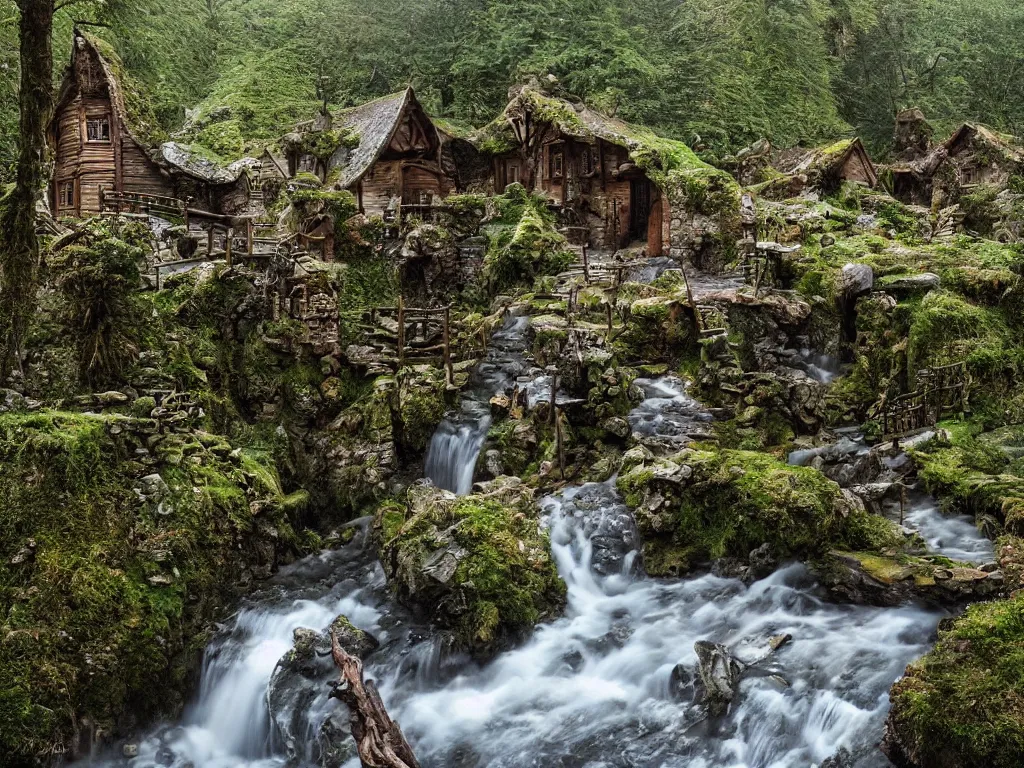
(717, 74)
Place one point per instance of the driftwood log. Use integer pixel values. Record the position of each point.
(379, 740)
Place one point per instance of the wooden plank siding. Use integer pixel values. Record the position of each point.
(117, 163)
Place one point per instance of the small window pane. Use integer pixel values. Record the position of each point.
(556, 164)
(97, 129)
(67, 194)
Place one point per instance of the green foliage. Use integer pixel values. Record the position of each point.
(524, 243)
(962, 701)
(98, 279)
(104, 597)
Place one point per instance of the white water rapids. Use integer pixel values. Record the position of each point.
(593, 689)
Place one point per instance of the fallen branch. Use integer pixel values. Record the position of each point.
(379, 739)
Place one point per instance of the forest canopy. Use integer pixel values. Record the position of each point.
(718, 74)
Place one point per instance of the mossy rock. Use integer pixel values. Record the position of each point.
(476, 565)
(111, 570)
(704, 504)
(960, 705)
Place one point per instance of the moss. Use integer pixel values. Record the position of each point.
(105, 608)
(523, 242)
(713, 504)
(504, 581)
(962, 701)
(422, 406)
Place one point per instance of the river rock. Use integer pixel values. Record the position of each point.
(719, 675)
(857, 279)
(300, 677)
(913, 285)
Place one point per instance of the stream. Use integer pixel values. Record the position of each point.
(593, 689)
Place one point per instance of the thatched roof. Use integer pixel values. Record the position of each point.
(196, 163)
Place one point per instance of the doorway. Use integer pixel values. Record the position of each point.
(639, 208)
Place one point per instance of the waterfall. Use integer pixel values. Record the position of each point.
(455, 446)
(600, 687)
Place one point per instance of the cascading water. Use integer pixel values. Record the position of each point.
(455, 446)
(594, 689)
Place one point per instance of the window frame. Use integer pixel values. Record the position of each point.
(66, 201)
(556, 163)
(100, 121)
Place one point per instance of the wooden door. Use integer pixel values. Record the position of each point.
(639, 208)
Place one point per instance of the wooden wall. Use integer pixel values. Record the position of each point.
(116, 165)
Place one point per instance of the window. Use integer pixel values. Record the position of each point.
(970, 175)
(511, 173)
(589, 162)
(66, 195)
(97, 129)
(556, 168)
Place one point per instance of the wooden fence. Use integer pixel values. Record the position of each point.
(939, 390)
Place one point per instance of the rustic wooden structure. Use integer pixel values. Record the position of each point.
(379, 739)
(97, 143)
(581, 160)
(395, 167)
(824, 169)
(939, 390)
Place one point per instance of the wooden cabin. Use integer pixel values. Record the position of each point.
(582, 161)
(825, 169)
(388, 155)
(974, 155)
(97, 144)
(980, 155)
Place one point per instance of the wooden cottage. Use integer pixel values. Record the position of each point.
(386, 152)
(974, 155)
(208, 185)
(583, 162)
(99, 142)
(821, 171)
(979, 155)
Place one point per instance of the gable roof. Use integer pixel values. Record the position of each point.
(826, 160)
(132, 107)
(1009, 146)
(374, 124)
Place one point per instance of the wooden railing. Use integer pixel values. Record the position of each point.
(140, 203)
(939, 389)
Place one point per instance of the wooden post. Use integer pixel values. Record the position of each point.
(559, 443)
(608, 312)
(401, 331)
(449, 373)
(586, 265)
(248, 237)
(554, 391)
(209, 242)
(158, 277)
(227, 246)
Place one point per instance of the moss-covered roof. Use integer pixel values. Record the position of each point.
(1006, 144)
(126, 94)
(374, 124)
(653, 153)
(199, 163)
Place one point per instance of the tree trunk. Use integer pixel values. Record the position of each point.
(378, 738)
(19, 249)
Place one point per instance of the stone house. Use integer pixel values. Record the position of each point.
(611, 182)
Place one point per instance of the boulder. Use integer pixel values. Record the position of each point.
(857, 280)
(299, 678)
(913, 285)
(718, 676)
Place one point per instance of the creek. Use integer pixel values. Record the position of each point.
(592, 689)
